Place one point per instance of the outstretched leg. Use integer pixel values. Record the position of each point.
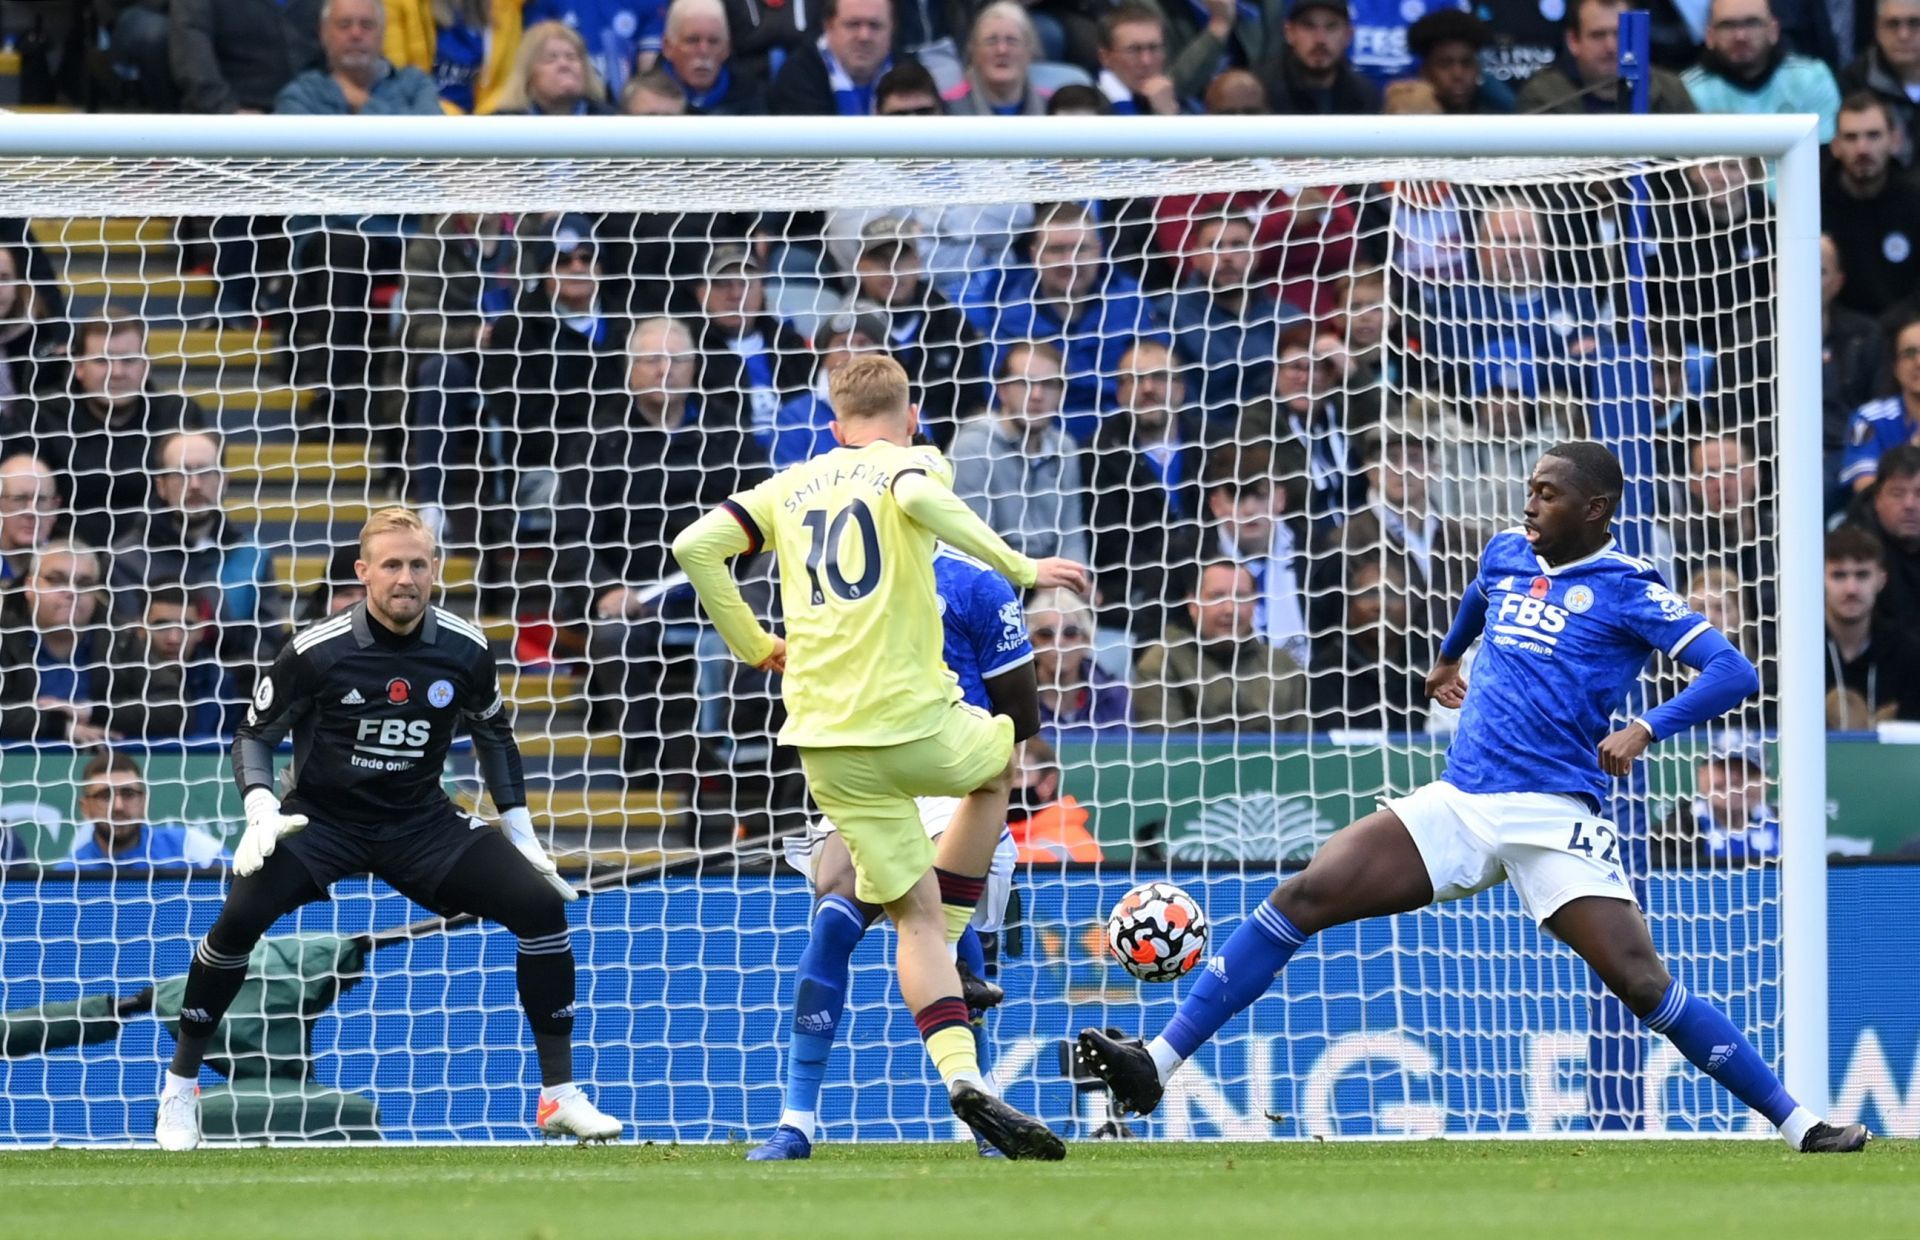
(1612, 937)
(1371, 869)
(493, 881)
(819, 998)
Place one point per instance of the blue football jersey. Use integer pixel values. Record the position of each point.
(1561, 650)
(986, 631)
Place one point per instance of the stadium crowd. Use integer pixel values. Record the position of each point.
(1279, 451)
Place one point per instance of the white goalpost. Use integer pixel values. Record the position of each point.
(1325, 348)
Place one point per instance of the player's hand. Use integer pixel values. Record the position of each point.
(776, 660)
(1054, 571)
(265, 825)
(518, 824)
(1618, 751)
(1221, 14)
(1446, 685)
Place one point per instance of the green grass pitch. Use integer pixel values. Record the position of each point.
(1474, 1190)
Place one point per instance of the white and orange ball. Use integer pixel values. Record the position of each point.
(1157, 932)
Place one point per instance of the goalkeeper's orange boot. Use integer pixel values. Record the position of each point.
(572, 1115)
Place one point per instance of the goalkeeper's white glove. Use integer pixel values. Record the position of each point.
(265, 825)
(518, 824)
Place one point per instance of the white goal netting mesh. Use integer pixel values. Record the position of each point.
(1278, 405)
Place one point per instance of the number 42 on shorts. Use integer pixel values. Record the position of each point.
(1587, 835)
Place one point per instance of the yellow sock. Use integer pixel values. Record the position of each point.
(952, 1052)
(958, 917)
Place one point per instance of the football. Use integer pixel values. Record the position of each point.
(1157, 932)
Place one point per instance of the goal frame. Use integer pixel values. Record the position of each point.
(1792, 141)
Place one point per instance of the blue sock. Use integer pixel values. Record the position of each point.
(1710, 1042)
(1239, 973)
(819, 1001)
(974, 956)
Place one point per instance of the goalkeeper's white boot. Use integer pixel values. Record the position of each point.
(573, 1115)
(178, 1126)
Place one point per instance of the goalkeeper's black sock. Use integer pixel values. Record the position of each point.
(212, 982)
(544, 970)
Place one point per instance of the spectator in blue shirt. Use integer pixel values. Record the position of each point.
(747, 355)
(113, 809)
(698, 51)
(358, 80)
(1512, 294)
(1728, 823)
(1225, 322)
(1879, 426)
(1067, 296)
(798, 430)
(1133, 61)
(53, 650)
(835, 75)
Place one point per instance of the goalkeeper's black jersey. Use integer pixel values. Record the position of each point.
(372, 716)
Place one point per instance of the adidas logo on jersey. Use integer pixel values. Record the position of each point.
(353, 698)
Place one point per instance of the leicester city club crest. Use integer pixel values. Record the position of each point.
(439, 693)
(1579, 599)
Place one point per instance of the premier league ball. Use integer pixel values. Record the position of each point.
(1157, 932)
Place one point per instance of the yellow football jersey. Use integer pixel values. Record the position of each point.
(864, 638)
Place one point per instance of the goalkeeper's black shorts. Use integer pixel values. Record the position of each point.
(414, 859)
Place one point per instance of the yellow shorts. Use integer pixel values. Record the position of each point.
(868, 792)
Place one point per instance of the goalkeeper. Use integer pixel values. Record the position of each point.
(373, 696)
(872, 708)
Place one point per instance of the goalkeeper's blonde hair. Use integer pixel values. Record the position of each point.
(396, 519)
(871, 386)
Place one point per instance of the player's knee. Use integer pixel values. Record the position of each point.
(1639, 981)
(238, 929)
(536, 914)
(1306, 899)
(1002, 783)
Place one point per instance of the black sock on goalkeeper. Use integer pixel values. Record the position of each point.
(212, 981)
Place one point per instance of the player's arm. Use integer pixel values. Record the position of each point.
(702, 551)
(936, 509)
(282, 698)
(497, 754)
(1726, 678)
(1444, 683)
(1662, 619)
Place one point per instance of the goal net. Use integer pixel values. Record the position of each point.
(1279, 404)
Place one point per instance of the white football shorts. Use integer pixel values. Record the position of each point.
(935, 814)
(1551, 847)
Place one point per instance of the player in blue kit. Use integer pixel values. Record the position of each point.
(1568, 624)
(985, 645)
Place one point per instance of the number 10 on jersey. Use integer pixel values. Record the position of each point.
(825, 551)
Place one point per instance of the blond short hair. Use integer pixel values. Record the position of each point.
(870, 386)
(397, 519)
